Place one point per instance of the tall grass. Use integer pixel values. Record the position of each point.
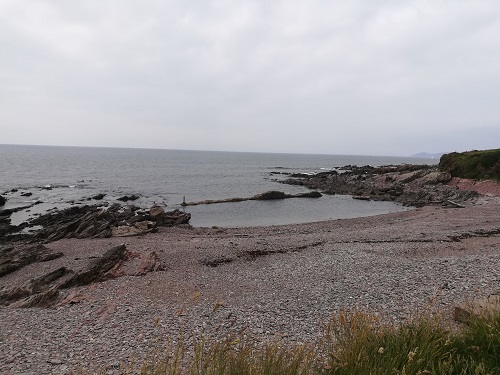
(353, 343)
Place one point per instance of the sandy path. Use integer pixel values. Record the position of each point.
(279, 281)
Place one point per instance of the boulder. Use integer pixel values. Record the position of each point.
(2, 200)
(156, 212)
(127, 198)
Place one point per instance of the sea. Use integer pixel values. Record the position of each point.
(59, 177)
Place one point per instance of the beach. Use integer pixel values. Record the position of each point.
(267, 282)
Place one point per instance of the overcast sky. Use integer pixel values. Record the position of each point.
(337, 77)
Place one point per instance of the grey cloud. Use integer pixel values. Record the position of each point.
(284, 76)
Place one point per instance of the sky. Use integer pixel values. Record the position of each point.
(385, 77)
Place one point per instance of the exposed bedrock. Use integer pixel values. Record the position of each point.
(98, 222)
(267, 196)
(413, 185)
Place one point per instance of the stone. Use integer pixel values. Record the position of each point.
(128, 231)
(2, 200)
(151, 263)
(478, 308)
(156, 211)
(12, 259)
(54, 361)
(269, 195)
(96, 270)
(127, 198)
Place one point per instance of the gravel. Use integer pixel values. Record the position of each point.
(271, 282)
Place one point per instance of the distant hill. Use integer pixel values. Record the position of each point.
(473, 164)
(426, 155)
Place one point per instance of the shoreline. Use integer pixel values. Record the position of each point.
(278, 281)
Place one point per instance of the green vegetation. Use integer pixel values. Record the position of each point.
(479, 165)
(353, 343)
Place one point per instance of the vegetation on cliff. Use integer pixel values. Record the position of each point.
(478, 165)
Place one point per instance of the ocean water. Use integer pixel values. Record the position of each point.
(61, 176)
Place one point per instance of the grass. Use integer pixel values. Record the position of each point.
(353, 343)
(473, 164)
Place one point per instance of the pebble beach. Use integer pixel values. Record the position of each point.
(274, 282)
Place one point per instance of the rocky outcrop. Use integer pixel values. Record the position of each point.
(53, 287)
(44, 290)
(413, 185)
(98, 269)
(37, 285)
(12, 259)
(99, 222)
(127, 198)
(269, 195)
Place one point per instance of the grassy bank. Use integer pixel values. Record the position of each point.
(479, 165)
(353, 343)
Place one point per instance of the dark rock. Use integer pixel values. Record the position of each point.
(175, 217)
(270, 195)
(310, 194)
(2, 200)
(412, 185)
(156, 212)
(77, 222)
(42, 299)
(26, 194)
(98, 222)
(12, 259)
(127, 198)
(98, 268)
(37, 285)
(98, 197)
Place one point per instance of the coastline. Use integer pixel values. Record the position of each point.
(278, 281)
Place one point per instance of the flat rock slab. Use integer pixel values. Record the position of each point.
(483, 307)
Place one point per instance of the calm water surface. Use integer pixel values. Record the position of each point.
(60, 175)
